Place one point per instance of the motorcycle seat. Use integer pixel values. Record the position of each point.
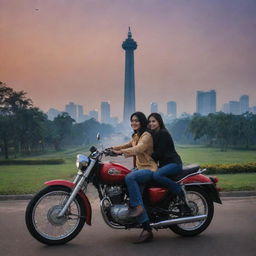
(186, 170)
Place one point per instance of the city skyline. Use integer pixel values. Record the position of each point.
(71, 51)
(206, 104)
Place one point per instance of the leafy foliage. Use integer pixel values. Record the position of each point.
(25, 129)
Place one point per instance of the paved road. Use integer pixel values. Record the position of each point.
(232, 232)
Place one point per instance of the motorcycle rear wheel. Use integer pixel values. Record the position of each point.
(42, 218)
(200, 203)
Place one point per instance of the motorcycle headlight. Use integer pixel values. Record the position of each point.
(81, 161)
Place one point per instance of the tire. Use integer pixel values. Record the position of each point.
(195, 228)
(41, 215)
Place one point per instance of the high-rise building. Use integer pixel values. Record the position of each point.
(244, 104)
(172, 109)
(52, 113)
(129, 45)
(253, 110)
(80, 116)
(225, 108)
(71, 109)
(206, 102)
(93, 114)
(105, 112)
(154, 107)
(234, 107)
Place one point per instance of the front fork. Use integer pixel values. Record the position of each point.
(80, 184)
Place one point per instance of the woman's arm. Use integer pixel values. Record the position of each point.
(144, 143)
(160, 147)
(122, 146)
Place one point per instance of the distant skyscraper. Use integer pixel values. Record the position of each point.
(153, 107)
(244, 104)
(105, 112)
(225, 108)
(206, 102)
(80, 110)
(129, 45)
(52, 113)
(234, 107)
(253, 110)
(93, 114)
(71, 109)
(172, 109)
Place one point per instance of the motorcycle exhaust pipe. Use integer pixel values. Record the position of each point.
(178, 221)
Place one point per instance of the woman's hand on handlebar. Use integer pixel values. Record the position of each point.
(118, 152)
(111, 152)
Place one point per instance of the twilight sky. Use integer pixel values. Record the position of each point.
(62, 50)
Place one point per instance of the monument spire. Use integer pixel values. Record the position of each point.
(129, 45)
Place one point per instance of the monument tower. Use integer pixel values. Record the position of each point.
(129, 45)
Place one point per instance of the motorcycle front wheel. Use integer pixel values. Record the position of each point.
(200, 204)
(42, 218)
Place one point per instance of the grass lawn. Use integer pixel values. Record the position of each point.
(206, 155)
(25, 179)
(236, 182)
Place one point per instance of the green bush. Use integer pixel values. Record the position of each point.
(230, 168)
(32, 162)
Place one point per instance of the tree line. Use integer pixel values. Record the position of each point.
(218, 129)
(25, 129)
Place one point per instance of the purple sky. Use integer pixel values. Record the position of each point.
(71, 51)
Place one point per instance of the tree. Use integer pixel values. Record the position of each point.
(60, 130)
(10, 103)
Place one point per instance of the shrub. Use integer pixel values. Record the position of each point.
(230, 168)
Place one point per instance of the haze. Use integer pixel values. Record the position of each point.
(60, 51)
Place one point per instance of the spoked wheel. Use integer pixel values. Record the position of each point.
(200, 204)
(42, 218)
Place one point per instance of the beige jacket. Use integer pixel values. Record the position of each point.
(142, 148)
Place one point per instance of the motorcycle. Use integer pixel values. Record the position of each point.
(57, 213)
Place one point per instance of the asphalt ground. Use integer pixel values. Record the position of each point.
(232, 232)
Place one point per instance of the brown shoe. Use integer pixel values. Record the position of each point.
(137, 211)
(145, 237)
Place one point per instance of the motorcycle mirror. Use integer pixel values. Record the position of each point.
(98, 136)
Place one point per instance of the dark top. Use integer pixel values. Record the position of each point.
(164, 150)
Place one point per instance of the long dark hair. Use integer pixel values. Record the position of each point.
(143, 123)
(159, 119)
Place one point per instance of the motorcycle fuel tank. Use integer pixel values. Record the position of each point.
(112, 173)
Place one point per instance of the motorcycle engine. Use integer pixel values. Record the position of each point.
(116, 194)
(119, 213)
(119, 209)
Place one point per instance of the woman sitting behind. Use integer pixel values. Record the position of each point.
(168, 159)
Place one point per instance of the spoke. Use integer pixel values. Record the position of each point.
(46, 219)
(198, 202)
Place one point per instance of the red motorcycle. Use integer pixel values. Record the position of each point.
(57, 213)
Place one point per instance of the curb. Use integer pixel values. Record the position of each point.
(222, 195)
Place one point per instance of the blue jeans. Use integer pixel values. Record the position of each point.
(161, 177)
(132, 180)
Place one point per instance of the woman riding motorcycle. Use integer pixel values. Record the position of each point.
(141, 146)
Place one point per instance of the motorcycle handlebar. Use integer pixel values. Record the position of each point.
(109, 152)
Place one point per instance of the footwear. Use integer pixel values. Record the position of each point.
(137, 211)
(145, 237)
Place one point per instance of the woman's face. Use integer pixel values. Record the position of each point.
(153, 124)
(135, 123)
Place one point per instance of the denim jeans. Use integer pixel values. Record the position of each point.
(133, 180)
(162, 174)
